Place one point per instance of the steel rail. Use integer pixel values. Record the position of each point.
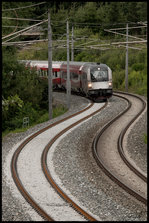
(103, 166)
(121, 137)
(47, 172)
(15, 174)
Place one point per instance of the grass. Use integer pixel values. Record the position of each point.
(57, 111)
(145, 138)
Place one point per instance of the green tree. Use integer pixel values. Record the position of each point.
(17, 13)
(10, 109)
(16, 79)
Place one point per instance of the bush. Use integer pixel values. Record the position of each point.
(14, 123)
(138, 66)
(29, 111)
(60, 54)
(11, 107)
(135, 79)
(59, 110)
(137, 82)
(145, 138)
(14, 110)
(118, 79)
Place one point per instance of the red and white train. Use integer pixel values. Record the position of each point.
(92, 79)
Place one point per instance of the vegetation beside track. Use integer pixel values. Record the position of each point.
(26, 95)
(57, 111)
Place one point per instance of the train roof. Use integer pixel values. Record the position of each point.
(60, 64)
(42, 63)
(76, 65)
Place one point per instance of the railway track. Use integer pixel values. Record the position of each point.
(16, 173)
(107, 156)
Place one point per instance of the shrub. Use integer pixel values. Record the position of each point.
(14, 110)
(118, 79)
(145, 138)
(29, 111)
(59, 110)
(138, 66)
(10, 108)
(135, 79)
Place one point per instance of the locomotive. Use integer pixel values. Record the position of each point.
(94, 80)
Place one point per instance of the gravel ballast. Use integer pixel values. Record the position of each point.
(77, 170)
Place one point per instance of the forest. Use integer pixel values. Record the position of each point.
(99, 30)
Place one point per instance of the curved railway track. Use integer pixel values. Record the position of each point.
(46, 171)
(120, 142)
(97, 147)
(17, 179)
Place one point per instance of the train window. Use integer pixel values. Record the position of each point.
(45, 72)
(97, 75)
(55, 73)
(40, 74)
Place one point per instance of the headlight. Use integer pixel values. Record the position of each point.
(110, 84)
(89, 85)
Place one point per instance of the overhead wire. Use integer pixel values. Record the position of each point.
(23, 19)
(4, 10)
(107, 30)
(24, 7)
(28, 28)
(53, 22)
(16, 24)
(136, 27)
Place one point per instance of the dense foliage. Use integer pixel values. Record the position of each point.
(23, 93)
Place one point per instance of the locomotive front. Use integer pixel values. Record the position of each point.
(99, 82)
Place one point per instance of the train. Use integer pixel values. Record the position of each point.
(94, 80)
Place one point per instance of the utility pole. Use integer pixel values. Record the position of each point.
(126, 65)
(72, 46)
(50, 87)
(68, 71)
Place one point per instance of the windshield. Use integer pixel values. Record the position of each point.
(99, 75)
